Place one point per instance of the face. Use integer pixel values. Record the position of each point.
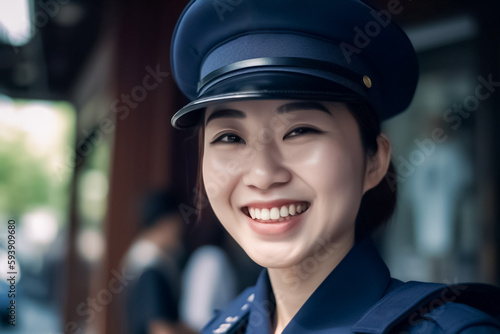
(284, 177)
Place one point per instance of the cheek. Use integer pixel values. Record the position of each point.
(335, 172)
(331, 163)
(220, 173)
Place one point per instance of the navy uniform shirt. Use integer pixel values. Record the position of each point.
(359, 281)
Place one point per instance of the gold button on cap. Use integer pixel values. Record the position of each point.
(367, 81)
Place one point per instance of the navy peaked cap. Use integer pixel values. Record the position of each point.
(225, 50)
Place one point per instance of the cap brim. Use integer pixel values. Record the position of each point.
(267, 85)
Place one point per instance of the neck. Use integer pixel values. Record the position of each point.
(292, 286)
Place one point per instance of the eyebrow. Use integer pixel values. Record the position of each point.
(286, 108)
(223, 113)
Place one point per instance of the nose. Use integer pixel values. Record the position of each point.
(265, 168)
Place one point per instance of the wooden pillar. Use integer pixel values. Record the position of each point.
(145, 99)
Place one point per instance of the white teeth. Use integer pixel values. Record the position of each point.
(274, 213)
(284, 211)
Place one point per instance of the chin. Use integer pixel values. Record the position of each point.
(273, 263)
(273, 254)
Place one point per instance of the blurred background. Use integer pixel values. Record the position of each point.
(86, 98)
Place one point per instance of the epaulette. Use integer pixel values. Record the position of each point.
(233, 316)
(408, 304)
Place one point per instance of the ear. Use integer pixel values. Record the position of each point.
(377, 165)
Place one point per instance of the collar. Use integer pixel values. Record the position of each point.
(357, 283)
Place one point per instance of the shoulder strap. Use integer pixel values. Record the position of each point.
(456, 317)
(413, 299)
(233, 316)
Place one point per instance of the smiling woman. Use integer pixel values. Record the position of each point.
(285, 177)
(305, 183)
(296, 168)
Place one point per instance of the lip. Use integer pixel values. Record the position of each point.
(272, 204)
(275, 228)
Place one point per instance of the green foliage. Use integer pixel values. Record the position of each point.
(24, 182)
(27, 179)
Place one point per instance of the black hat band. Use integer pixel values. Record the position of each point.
(280, 62)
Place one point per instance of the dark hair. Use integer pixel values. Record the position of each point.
(156, 205)
(377, 204)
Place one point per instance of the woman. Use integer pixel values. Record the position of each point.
(288, 97)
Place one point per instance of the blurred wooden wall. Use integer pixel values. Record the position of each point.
(142, 96)
(143, 143)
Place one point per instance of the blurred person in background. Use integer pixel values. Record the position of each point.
(173, 293)
(156, 259)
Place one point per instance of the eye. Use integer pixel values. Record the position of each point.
(228, 138)
(300, 131)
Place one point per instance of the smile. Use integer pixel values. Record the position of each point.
(276, 214)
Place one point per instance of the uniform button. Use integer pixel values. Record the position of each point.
(367, 81)
(232, 319)
(222, 329)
